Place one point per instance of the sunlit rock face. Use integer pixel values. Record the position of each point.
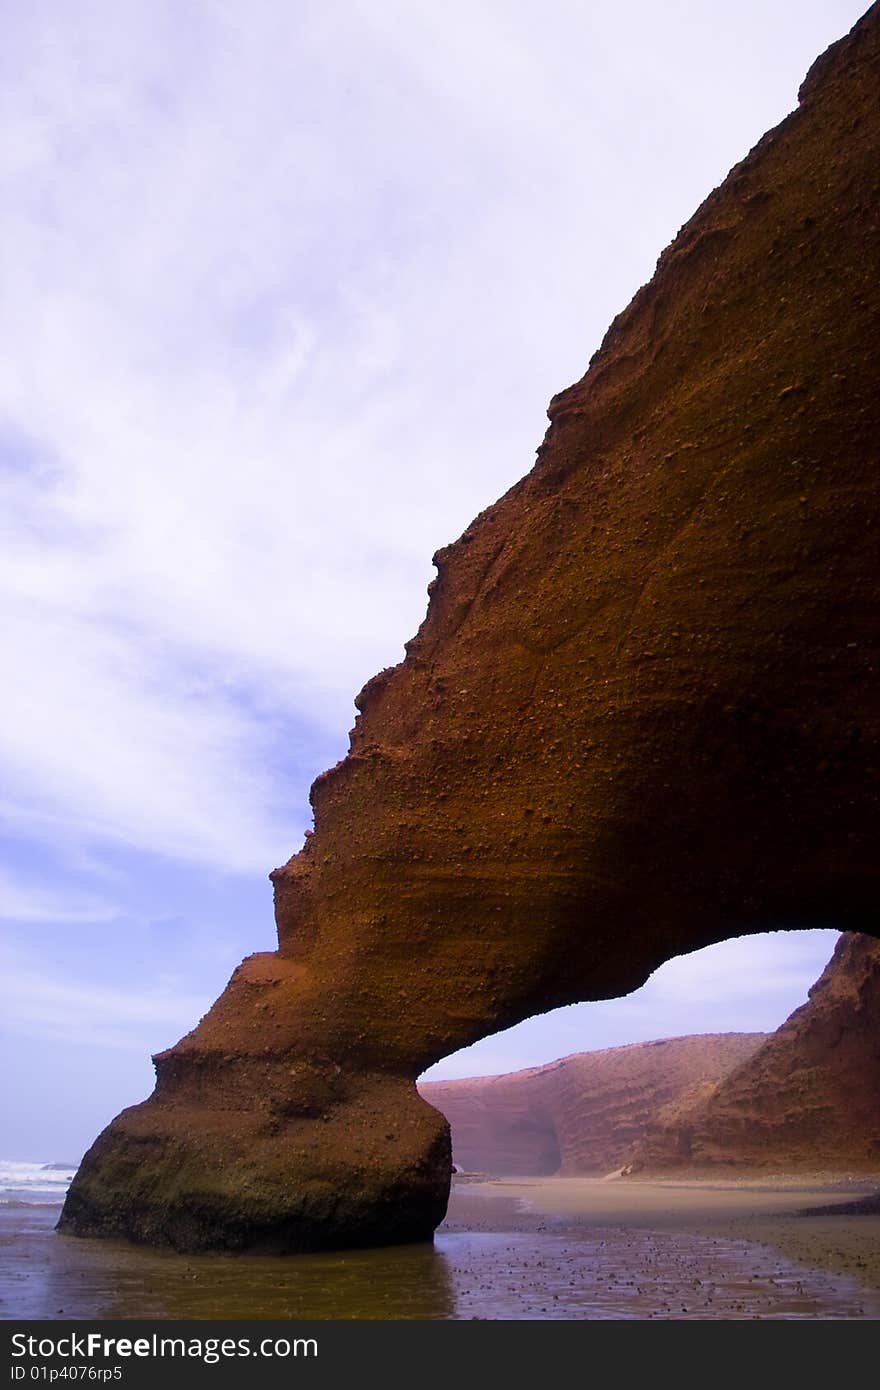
(580, 1114)
(640, 717)
(809, 1098)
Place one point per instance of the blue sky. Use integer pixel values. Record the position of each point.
(286, 289)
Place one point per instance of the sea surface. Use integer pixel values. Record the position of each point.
(595, 1273)
(36, 1184)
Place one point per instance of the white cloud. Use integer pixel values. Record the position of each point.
(130, 745)
(756, 968)
(37, 1003)
(22, 901)
(288, 290)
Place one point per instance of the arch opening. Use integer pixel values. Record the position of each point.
(729, 1055)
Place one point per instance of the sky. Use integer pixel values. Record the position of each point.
(286, 288)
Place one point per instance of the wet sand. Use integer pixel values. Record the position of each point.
(843, 1235)
(532, 1248)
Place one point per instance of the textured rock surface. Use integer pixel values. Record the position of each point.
(808, 1098)
(639, 717)
(580, 1114)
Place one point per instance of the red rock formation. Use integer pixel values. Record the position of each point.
(581, 1114)
(809, 1098)
(639, 717)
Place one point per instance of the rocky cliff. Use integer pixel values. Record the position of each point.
(580, 1114)
(639, 717)
(809, 1098)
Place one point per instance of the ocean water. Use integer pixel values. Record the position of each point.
(34, 1184)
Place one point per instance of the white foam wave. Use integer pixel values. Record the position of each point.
(34, 1184)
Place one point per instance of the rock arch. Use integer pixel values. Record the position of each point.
(639, 717)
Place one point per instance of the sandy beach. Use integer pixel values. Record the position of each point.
(826, 1222)
(529, 1248)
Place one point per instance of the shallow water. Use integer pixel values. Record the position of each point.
(590, 1274)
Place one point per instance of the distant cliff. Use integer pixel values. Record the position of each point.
(808, 1098)
(583, 1113)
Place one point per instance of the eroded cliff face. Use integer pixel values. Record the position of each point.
(809, 1098)
(580, 1114)
(639, 717)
